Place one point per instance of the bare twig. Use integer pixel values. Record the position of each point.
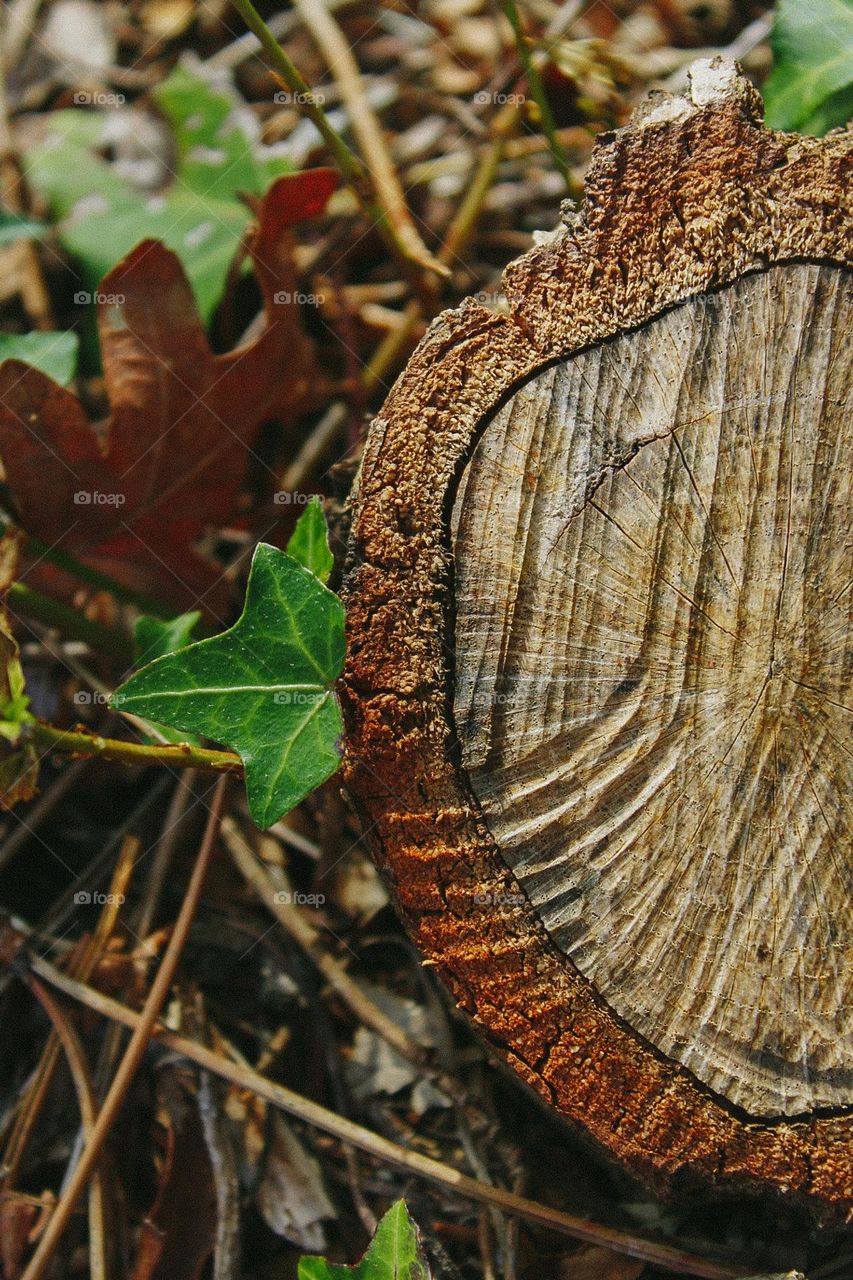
(298, 927)
(133, 1054)
(82, 965)
(456, 237)
(382, 1149)
(380, 167)
(76, 1058)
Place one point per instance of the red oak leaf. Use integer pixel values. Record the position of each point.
(134, 493)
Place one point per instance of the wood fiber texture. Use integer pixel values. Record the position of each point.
(653, 649)
(700, 224)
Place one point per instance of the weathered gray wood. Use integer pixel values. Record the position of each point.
(653, 563)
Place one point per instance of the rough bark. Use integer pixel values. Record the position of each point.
(597, 692)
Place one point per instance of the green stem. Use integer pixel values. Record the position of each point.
(71, 623)
(350, 165)
(537, 89)
(96, 579)
(348, 161)
(74, 742)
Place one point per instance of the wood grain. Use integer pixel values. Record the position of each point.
(693, 199)
(653, 571)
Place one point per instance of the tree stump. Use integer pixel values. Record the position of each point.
(598, 687)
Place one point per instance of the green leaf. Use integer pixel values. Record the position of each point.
(394, 1253)
(54, 353)
(155, 637)
(309, 542)
(265, 687)
(811, 85)
(199, 215)
(15, 712)
(15, 227)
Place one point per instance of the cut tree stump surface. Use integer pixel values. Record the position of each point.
(598, 692)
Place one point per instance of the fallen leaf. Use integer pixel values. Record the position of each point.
(54, 353)
(291, 1194)
(265, 687)
(374, 1067)
(198, 214)
(177, 1234)
(131, 495)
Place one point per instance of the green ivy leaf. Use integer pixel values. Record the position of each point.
(394, 1253)
(199, 215)
(54, 353)
(309, 542)
(811, 86)
(155, 637)
(265, 687)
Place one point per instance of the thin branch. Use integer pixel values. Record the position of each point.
(456, 237)
(135, 1050)
(70, 623)
(348, 162)
(329, 38)
(390, 1152)
(81, 964)
(286, 71)
(297, 926)
(101, 581)
(182, 755)
(76, 1059)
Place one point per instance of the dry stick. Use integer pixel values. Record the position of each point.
(183, 755)
(345, 71)
(303, 933)
(386, 353)
(87, 953)
(164, 851)
(348, 162)
(135, 1050)
(76, 1059)
(457, 236)
(382, 1149)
